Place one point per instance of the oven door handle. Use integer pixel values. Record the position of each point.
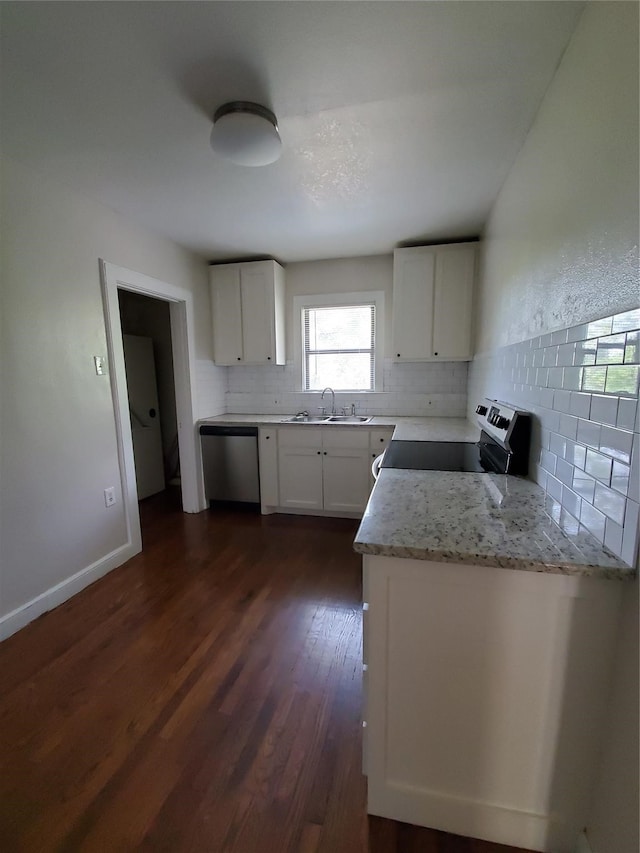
(375, 467)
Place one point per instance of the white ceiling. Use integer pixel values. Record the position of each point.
(399, 120)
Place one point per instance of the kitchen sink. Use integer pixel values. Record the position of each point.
(305, 419)
(327, 419)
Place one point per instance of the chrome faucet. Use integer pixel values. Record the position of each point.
(333, 399)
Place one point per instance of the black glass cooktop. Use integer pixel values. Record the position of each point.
(433, 456)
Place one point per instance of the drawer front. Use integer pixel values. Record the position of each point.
(299, 436)
(347, 438)
(380, 439)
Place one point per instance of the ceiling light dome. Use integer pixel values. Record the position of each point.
(246, 133)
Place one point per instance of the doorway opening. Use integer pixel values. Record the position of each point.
(181, 316)
(148, 356)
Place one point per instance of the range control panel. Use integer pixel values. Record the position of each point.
(498, 419)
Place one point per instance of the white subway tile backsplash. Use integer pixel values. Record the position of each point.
(564, 472)
(600, 328)
(580, 405)
(613, 537)
(554, 487)
(566, 354)
(555, 377)
(576, 454)
(630, 534)
(599, 364)
(571, 500)
(589, 433)
(577, 333)
(568, 426)
(557, 444)
(627, 413)
(620, 477)
(593, 520)
(562, 401)
(583, 485)
(611, 503)
(599, 466)
(616, 443)
(604, 410)
(627, 321)
(572, 378)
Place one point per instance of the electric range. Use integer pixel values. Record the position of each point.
(503, 447)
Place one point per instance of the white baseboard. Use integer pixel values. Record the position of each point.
(64, 590)
(583, 845)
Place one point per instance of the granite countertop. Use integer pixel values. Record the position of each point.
(406, 428)
(476, 519)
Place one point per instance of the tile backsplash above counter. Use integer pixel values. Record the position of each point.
(435, 389)
(581, 383)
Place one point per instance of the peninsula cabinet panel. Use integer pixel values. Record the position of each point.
(433, 302)
(486, 691)
(248, 313)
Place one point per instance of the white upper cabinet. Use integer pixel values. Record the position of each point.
(247, 302)
(433, 302)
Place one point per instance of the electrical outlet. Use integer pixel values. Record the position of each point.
(109, 496)
(101, 364)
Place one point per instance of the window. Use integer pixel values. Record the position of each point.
(339, 341)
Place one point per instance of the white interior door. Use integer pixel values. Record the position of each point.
(145, 417)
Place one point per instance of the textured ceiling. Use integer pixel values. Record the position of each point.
(399, 120)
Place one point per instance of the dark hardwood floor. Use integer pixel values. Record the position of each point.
(203, 697)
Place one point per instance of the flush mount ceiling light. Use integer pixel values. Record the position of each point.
(246, 133)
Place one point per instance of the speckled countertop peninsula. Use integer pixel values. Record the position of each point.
(476, 519)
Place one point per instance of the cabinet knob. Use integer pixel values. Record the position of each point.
(267, 437)
(382, 439)
(268, 358)
(319, 452)
(398, 355)
(435, 353)
(239, 358)
(325, 453)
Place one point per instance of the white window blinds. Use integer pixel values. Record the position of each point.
(339, 347)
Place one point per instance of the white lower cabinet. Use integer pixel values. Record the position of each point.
(268, 456)
(485, 692)
(324, 469)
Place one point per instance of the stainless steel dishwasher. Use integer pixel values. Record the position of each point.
(230, 464)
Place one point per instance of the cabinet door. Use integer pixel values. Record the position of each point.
(268, 455)
(300, 477)
(226, 314)
(345, 479)
(455, 270)
(413, 288)
(257, 285)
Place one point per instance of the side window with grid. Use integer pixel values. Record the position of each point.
(339, 347)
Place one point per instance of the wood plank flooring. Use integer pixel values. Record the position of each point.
(203, 697)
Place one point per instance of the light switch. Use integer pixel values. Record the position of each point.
(101, 364)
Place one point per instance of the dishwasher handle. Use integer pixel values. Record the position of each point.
(209, 429)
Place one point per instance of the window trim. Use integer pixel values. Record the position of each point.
(324, 300)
